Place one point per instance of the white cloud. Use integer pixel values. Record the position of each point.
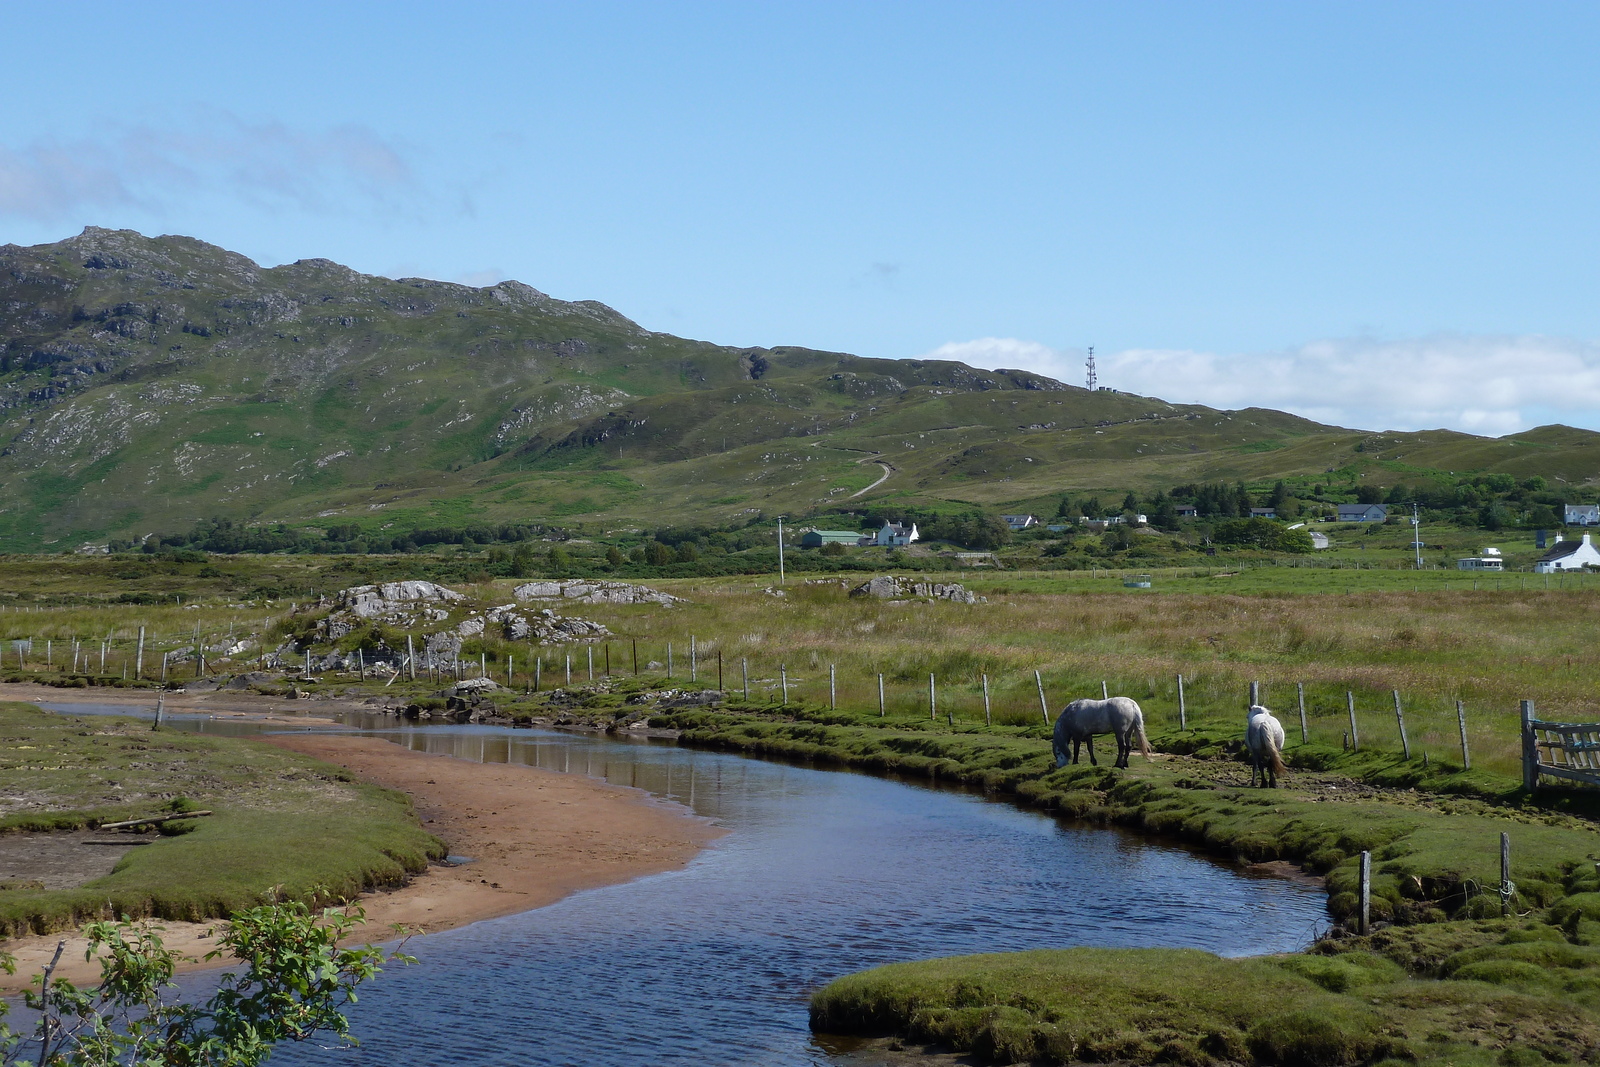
(1489, 385)
(151, 167)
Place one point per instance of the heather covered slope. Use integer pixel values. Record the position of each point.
(146, 383)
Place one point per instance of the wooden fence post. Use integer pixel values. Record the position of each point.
(1300, 695)
(1366, 892)
(1461, 721)
(933, 711)
(669, 661)
(1400, 718)
(1355, 737)
(1044, 709)
(1183, 711)
(569, 668)
(694, 665)
(744, 672)
(411, 658)
(988, 719)
(1506, 888)
(608, 659)
(511, 669)
(719, 671)
(1530, 751)
(538, 669)
(833, 692)
(636, 657)
(590, 650)
(1255, 693)
(1105, 694)
(361, 664)
(880, 695)
(783, 677)
(138, 664)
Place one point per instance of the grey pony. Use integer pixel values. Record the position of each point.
(1082, 719)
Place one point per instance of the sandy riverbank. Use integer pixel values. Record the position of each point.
(534, 835)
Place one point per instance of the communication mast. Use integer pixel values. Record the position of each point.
(1090, 365)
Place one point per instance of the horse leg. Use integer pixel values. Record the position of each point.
(1124, 749)
(1076, 746)
(1090, 742)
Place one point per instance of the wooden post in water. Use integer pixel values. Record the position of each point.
(1530, 751)
(933, 712)
(988, 719)
(1300, 695)
(833, 693)
(1366, 893)
(160, 707)
(1183, 712)
(1355, 736)
(1506, 888)
(880, 696)
(1044, 709)
(744, 673)
(138, 664)
(1461, 721)
(1400, 719)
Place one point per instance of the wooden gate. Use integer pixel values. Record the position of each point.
(1569, 750)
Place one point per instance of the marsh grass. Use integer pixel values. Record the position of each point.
(283, 823)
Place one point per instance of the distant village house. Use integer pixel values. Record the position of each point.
(1363, 512)
(1263, 513)
(1568, 556)
(1583, 515)
(1020, 522)
(893, 535)
(1187, 511)
(818, 538)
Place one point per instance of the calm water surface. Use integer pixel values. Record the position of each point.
(823, 873)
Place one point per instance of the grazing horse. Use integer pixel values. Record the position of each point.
(1082, 719)
(1263, 735)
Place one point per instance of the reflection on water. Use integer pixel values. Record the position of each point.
(823, 873)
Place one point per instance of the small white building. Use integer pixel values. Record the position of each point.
(1186, 511)
(895, 535)
(1489, 561)
(1568, 556)
(1020, 522)
(1363, 512)
(1263, 513)
(1582, 515)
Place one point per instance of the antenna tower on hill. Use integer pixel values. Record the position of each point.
(1090, 364)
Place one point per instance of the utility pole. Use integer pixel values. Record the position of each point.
(1416, 533)
(780, 549)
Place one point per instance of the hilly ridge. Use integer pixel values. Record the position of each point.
(146, 383)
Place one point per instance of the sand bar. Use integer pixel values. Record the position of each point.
(534, 836)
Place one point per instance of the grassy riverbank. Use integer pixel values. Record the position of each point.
(283, 823)
(1445, 980)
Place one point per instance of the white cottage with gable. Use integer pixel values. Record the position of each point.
(1568, 556)
(895, 534)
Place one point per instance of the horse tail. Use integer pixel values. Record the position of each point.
(1144, 742)
(1270, 743)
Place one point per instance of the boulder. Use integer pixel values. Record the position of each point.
(891, 587)
(593, 592)
(372, 601)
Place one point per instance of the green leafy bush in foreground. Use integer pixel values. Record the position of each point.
(294, 986)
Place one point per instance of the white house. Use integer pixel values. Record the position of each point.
(1568, 556)
(1583, 515)
(1489, 561)
(1363, 512)
(895, 534)
(1020, 522)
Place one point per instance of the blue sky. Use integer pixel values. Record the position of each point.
(1383, 215)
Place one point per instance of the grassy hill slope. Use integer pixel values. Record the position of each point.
(146, 383)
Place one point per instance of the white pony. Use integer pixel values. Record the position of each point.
(1263, 735)
(1082, 719)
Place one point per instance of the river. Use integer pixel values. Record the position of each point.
(822, 873)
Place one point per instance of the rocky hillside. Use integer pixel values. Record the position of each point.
(146, 383)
